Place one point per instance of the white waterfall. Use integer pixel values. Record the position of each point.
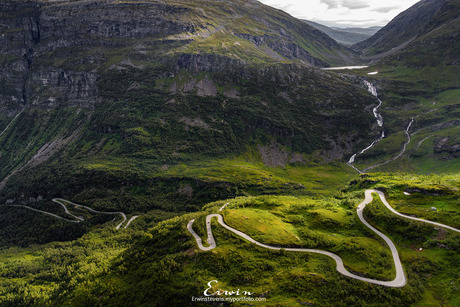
(371, 88)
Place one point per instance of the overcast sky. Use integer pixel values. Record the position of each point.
(344, 13)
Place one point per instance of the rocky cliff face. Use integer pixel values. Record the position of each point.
(90, 21)
(32, 31)
(52, 52)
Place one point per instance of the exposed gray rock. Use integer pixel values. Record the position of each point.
(206, 87)
(53, 88)
(275, 155)
(195, 63)
(446, 148)
(30, 31)
(285, 48)
(186, 190)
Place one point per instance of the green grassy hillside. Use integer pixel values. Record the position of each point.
(135, 142)
(134, 265)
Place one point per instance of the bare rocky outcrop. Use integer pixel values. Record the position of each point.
(232, 93)
(196, 63)
(49, 149)
(283, 48)
(275, 155)
(51, 88)
(31, 31)
(186, 190)
(206, 87)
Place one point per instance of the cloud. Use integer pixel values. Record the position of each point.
(332, 4)
(355, 4)
(349, 4)
(344, 12)
(385, 9)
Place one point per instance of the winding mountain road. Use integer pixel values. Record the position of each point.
(67, 210)
(77, 219)
(400, 279)
(60, 200)
(384, 201)
(130, 220)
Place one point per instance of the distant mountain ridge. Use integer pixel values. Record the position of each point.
(345, 36)
(367, 31)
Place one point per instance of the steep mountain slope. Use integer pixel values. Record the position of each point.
(402, 29)
(345, 36)
(438, 42)
(103, 101)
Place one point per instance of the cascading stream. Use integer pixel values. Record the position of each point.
(371, 88)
